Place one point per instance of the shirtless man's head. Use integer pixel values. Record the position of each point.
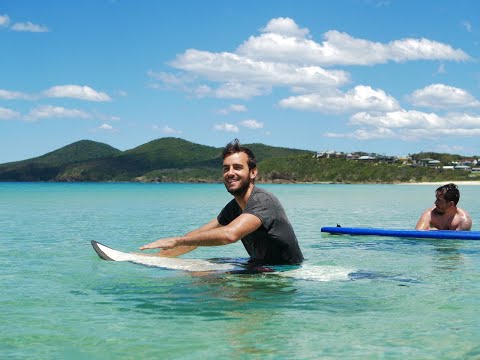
(445, 215)
(447, 198)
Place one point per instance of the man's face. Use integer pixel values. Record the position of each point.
(441, 205)
(237, 177)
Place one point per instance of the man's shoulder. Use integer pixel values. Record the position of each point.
(261, 190)
(429, 212)
(462, 211)
(262, 193)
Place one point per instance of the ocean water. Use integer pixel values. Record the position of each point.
(400, 299)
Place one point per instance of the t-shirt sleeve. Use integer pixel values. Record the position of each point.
(261, 205)
(228, 213)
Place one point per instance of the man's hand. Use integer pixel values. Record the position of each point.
(167, 243)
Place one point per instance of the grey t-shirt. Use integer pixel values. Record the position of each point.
(274, 242)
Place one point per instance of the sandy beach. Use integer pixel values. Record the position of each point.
(459, 183)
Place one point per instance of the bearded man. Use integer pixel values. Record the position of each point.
(254, 216)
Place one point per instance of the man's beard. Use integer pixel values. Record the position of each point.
(242, 189)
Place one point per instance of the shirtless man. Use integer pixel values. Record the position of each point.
(445, 215)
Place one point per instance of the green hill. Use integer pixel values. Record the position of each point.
(178, 160)
(132, 165)
(165, 159)
(309, 169)
(48, 166)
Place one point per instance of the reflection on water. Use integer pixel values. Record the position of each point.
(204, 296)
(447, 256)
(367, 275)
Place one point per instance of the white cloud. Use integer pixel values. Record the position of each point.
(29, 27)
(60, 91)
(343, 49)
(8, 114)
(232, 108)
(22, 26)
(76, 92)
(237, 90)
(203, 91)
(286, 27)
(411, 125)
(238, 108)
(399, 119)
(4, 20)
(14, 95)
(251, 124)
(225, 127)
(442, 96)
(166, 130)
(232, 68)
(49, 112)
(284, 55)
(359, 98)
(171, 81)
(364, 134)
(106, 127)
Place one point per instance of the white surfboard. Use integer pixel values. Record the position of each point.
(108, 253)
(304, 272)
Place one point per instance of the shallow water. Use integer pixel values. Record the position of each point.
(402, 298)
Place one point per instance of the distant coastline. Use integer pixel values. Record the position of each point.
(174, 160)
(439, 183)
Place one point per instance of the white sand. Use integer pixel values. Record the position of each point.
(459, 183)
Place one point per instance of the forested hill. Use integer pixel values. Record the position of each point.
(178, 160)
(165, 159)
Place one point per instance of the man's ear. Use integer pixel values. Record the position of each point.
(253, 173)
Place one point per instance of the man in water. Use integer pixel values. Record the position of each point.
(445, 215)
(254, 215)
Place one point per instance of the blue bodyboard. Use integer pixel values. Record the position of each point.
(419, 234)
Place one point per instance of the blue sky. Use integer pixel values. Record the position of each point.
(390, 76)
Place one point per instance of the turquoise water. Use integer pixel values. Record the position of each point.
(404, 299)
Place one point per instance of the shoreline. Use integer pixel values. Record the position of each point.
(440, 183)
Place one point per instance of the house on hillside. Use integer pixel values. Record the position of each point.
(366, 158)
(462, 167)
(429, 162)
(404, 160)
(329, 154)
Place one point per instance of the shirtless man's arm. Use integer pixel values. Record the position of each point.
(464, 220)
(424, 221)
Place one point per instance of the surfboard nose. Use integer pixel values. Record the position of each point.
(99, 251)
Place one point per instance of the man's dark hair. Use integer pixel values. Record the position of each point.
(449, 192)
(235, 147)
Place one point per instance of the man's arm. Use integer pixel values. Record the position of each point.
(211, 234)
(465, 223)
(180, 250)
(424, 221)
